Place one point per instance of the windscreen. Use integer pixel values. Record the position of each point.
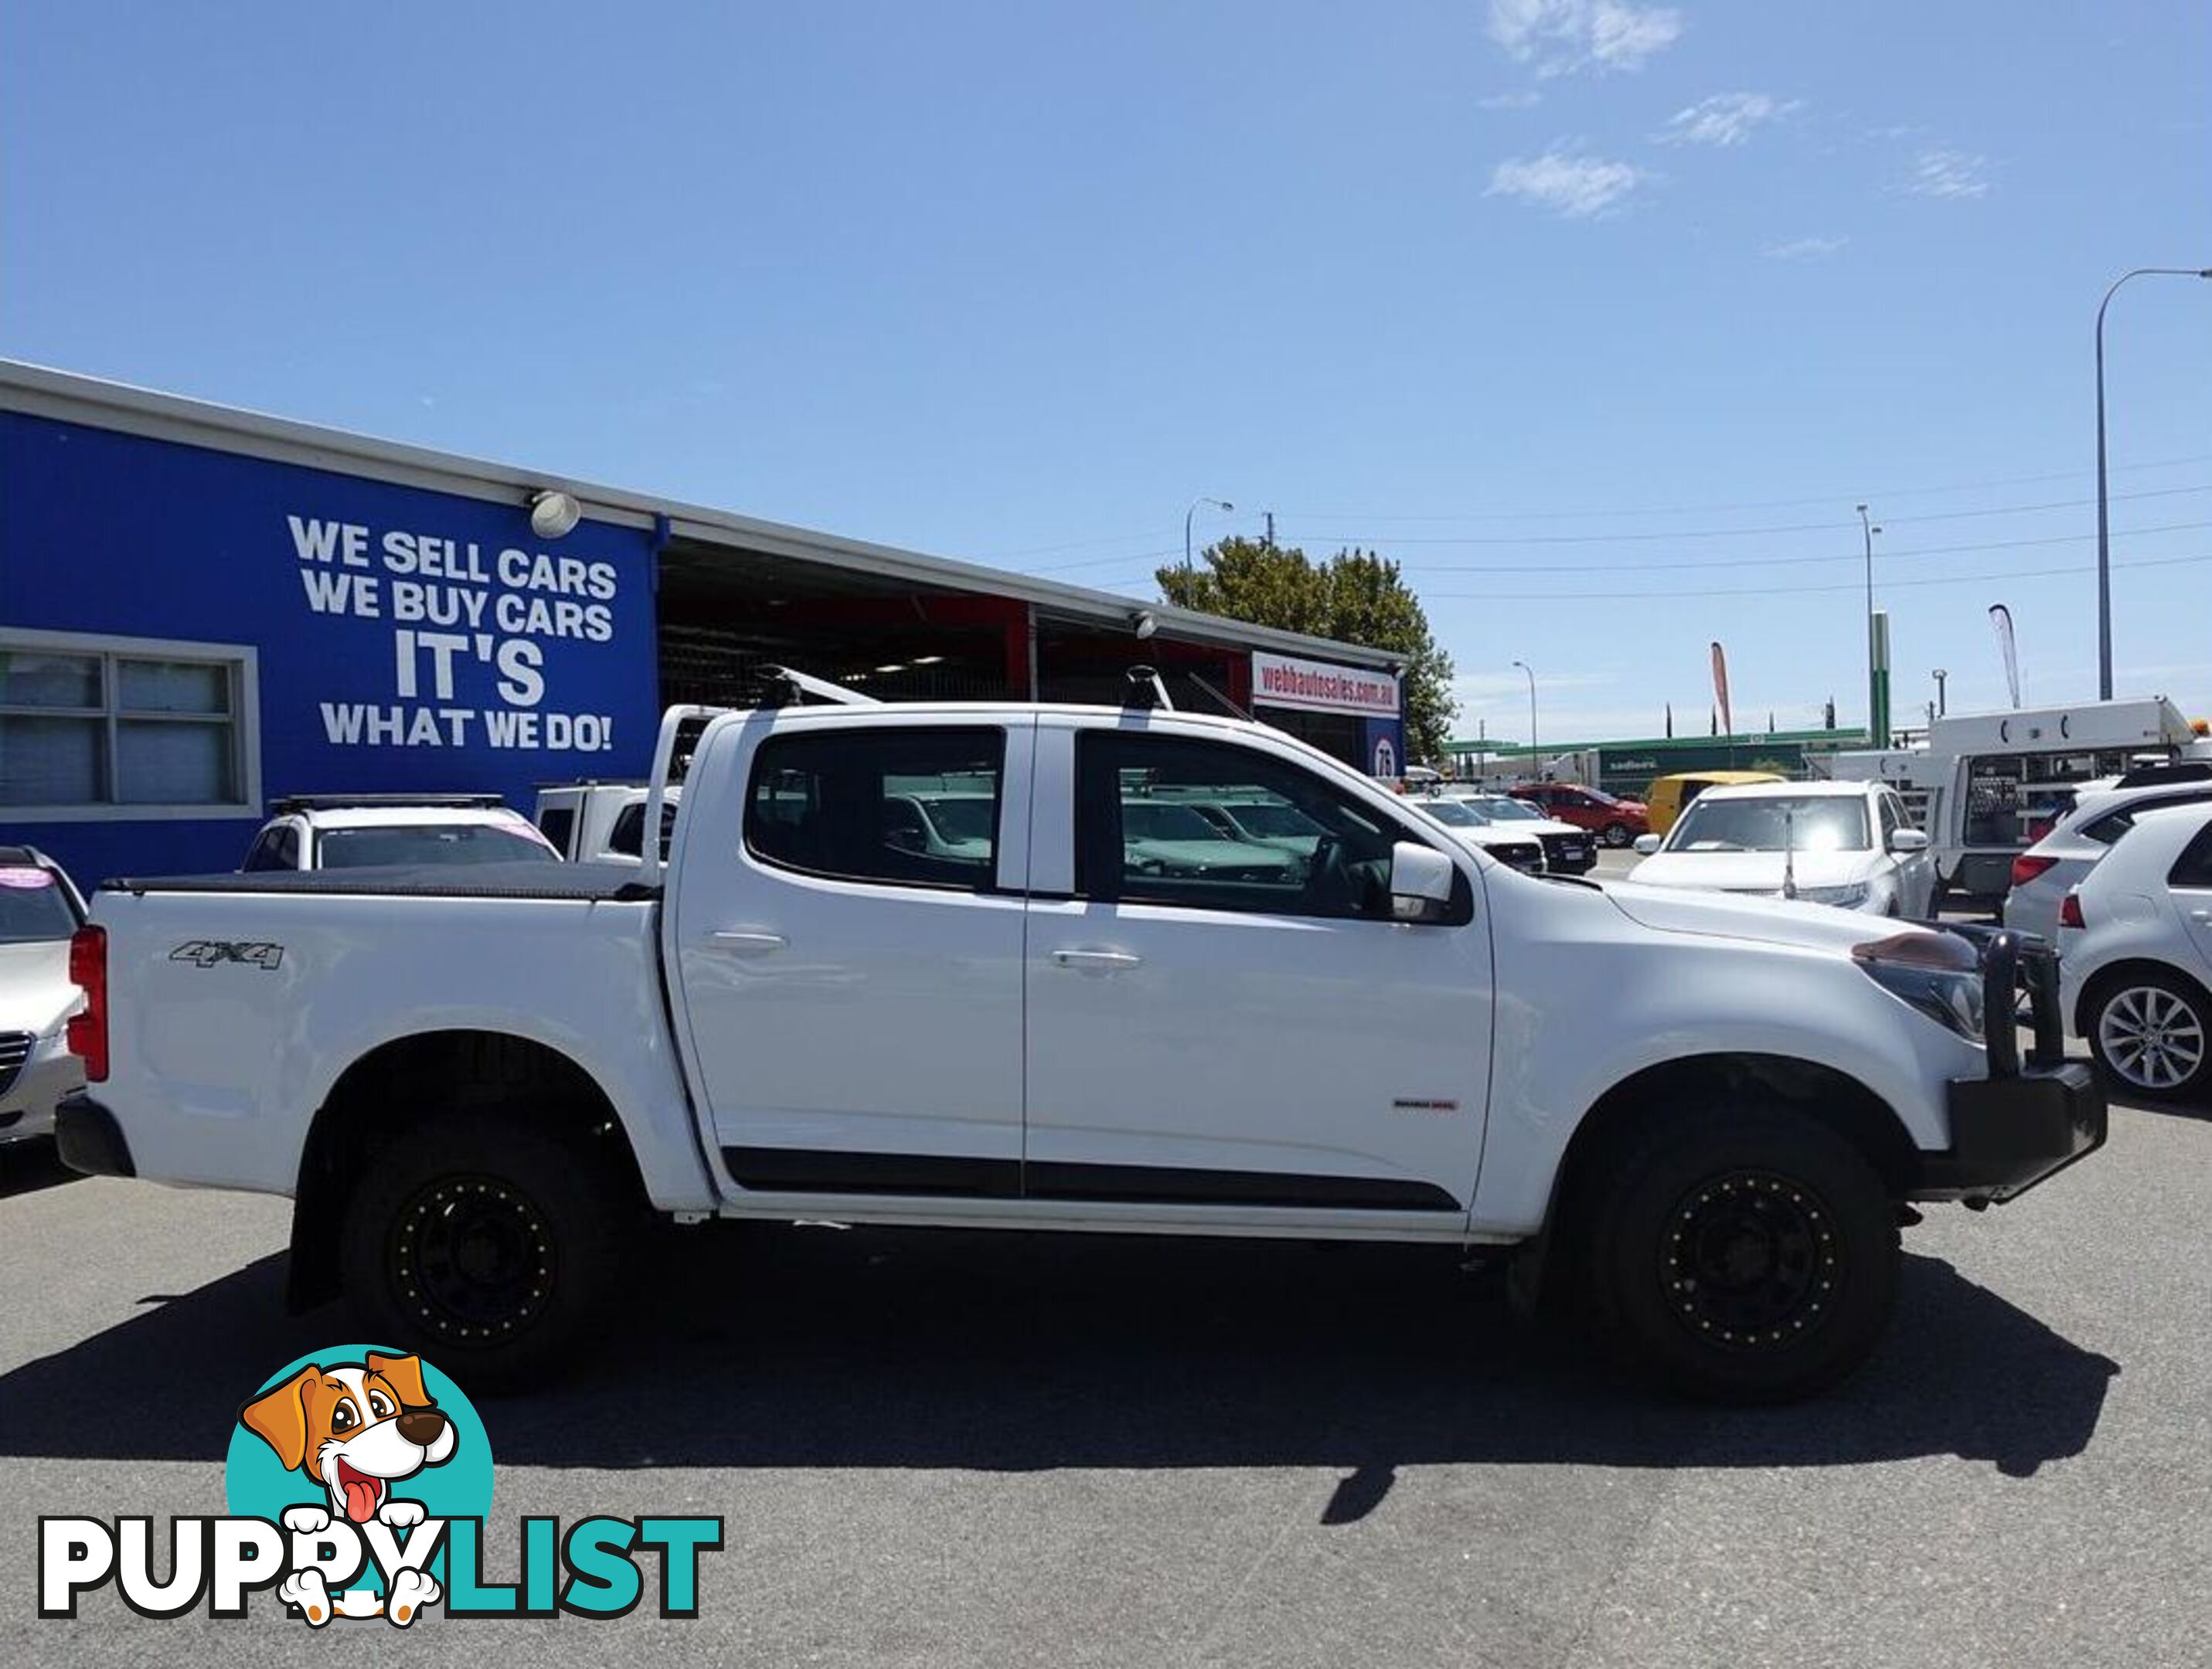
(1454, 814)
(426, 843)
(1505, 807)
(1808, 823)
(34, 908)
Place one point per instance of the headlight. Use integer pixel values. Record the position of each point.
(1844, 898)
(1934, 973)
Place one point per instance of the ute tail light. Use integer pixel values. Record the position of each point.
(88, 1029)
(2027, 866)
(2070, 912)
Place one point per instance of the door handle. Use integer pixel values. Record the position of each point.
(1104, 962)
(2200, 915)
(748, 944)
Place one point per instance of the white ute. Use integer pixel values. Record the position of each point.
(470, 1081)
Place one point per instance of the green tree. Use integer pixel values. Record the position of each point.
(1354, 596)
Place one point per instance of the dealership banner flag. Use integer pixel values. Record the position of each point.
(2009, 647)
(1721, 689)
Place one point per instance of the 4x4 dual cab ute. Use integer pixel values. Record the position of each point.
(473, 1084)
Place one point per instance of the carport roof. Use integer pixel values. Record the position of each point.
(37, 391)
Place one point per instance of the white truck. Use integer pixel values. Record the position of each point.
(1987, 785)
(591, 821)
(474, 1084)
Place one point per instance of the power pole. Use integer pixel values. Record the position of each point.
(1271, 529)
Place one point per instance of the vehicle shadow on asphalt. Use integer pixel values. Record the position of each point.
(32, 1164)
(815, 1347)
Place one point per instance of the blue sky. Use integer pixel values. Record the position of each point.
(1550, 299)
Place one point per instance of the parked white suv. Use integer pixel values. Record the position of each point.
(1567, 850)
(359, 831)
(2135, 950)
(39, 911)
(1846, 844)
(2044, 874)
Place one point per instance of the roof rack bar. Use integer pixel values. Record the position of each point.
(803, 684)
(285, 804)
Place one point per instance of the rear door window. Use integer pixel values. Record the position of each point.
(2193, 868)
(895, 807)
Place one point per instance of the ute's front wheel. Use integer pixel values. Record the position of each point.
(488, 1244)
(1742, 1256)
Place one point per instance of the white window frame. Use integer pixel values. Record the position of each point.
(240, 661)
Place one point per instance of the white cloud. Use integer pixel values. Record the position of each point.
(1522, 101)
(1574, 187)
(1805, 249)
(1563, 37)
(1949, 173)
(1726, 118)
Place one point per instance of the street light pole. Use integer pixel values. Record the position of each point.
(1218, 504)
(1533, 760)
(1868, 529)
(1941, 707)
(2104, 530)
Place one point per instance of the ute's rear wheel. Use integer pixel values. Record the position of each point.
(487, 1244)
(1741, 1255)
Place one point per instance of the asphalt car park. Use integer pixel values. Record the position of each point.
(933, 1446)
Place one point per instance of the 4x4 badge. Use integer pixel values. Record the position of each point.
(207, 953)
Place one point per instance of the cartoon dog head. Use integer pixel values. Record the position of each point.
(355, 1428)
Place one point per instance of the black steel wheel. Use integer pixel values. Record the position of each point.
(489, 1243)
(1738, 1253)
(1751, 1260)
(472, 1256)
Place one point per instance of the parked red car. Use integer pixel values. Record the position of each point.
(1614, 822)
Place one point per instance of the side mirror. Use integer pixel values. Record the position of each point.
(1647, 844)
(1420, 883)
(1909, 839)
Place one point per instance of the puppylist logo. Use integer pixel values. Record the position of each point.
(357, 1483)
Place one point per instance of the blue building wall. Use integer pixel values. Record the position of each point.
(407, 640)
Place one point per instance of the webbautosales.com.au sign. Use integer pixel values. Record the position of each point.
(1284, 681)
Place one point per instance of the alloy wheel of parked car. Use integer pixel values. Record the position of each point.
(2151, 1033)
(1615, 834)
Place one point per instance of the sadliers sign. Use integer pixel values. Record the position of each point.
(1283, 681)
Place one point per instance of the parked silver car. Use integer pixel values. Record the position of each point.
(2042, 875)
(39, 910)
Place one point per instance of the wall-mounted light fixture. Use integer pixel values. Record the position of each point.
(553, 513)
